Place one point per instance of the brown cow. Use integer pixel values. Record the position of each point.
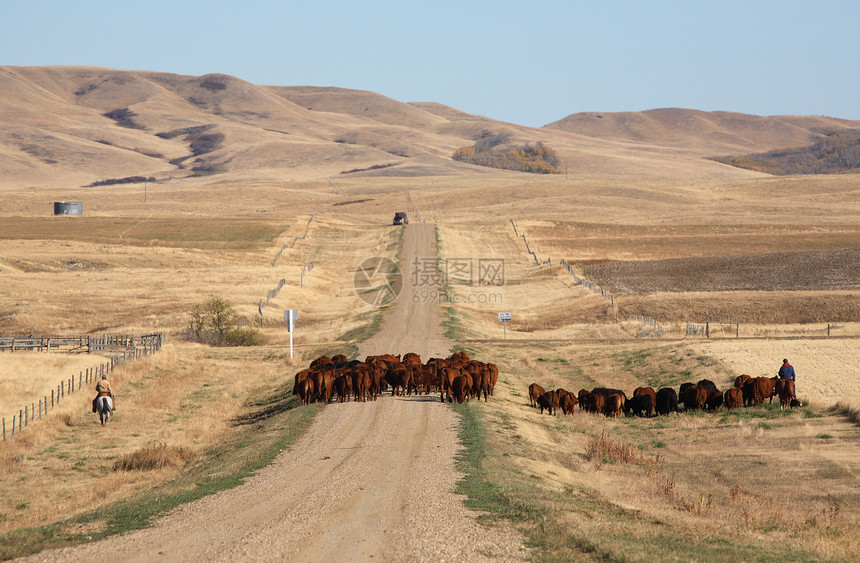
(535, 391)
(695, 397)
(400, 380)
(596, 402)
(460, 355)
(763, 388)
(614, 405)
(567, 403)
(714, 400)
(647, 391)
(479, 384)
(425, 378)
(785, 390)
(493, 370)
(583, 397)
(460, 388)
(339, 359)
(323, 385)
(411, 359)
(741, 380)
(343, 386)
(447, 376)
(361, 383)
(321, 361)
(733, 398)
(305, 390)
(300, 376)
(548, 401)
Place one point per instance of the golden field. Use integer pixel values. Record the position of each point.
(142, 256)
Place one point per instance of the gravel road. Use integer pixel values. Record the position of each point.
(368, 482)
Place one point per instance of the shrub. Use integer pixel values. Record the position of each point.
(245, 337)
(215, 322)
(152, 457)
(603, 448)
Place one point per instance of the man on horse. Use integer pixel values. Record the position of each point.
(787, 372)
(103, 390)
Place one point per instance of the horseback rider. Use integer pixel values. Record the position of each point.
(103, 390)
(787, 372)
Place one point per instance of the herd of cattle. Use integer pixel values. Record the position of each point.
(456, 378)
(747, 391)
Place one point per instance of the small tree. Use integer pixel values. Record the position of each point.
(215, 322)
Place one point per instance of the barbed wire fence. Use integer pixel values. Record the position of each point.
(296, 239)
(272, 293)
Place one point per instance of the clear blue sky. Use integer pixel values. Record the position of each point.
(527, 62)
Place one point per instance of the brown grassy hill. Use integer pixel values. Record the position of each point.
(707, 133)
(73, 126)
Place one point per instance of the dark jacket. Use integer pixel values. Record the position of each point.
(786, 372)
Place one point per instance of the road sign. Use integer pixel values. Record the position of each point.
(504, 318)
(290, 316)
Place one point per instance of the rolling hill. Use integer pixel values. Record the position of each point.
(74, 126)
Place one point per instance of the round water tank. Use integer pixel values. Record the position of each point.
(68, 208)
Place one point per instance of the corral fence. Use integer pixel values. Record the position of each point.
(119, 348)
(124, 347)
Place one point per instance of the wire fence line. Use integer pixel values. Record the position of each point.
(296, 239)
(136, 347)
(709, 329)
(533, 254)
(272, 293)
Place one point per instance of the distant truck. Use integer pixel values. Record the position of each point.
(400, 218)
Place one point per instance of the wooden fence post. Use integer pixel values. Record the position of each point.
(4, 428)
(13, 425)
(20, 421)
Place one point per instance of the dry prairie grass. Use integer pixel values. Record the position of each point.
(26, 377)
(156, 456)
(181, 401)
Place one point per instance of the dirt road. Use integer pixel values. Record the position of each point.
(368, 481)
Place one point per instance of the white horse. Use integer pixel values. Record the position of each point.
(104, 406)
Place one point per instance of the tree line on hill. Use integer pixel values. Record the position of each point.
(834, 153)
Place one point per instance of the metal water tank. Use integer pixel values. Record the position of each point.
(68, 208)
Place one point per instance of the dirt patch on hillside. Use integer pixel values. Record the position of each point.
(779, 271)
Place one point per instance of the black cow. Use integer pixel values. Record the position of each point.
(667, 401)
(640, 405)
